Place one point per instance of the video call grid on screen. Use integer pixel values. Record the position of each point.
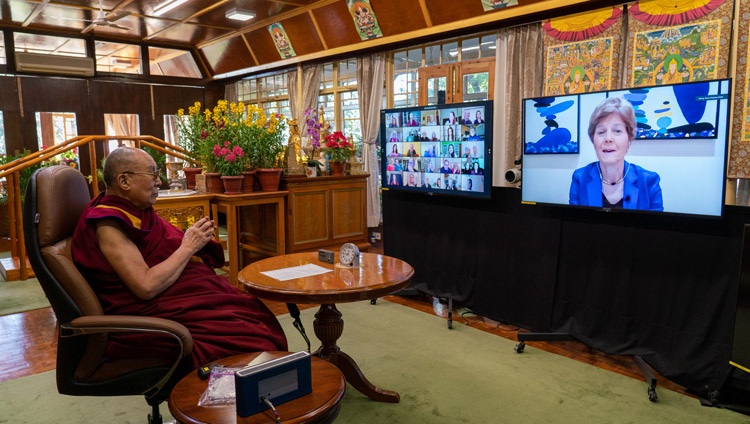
(691, 165)
(437, 149)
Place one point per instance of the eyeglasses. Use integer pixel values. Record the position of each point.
(156, 176)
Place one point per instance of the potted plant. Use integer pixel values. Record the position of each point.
(192, 129)
(340, 150)
(230, 163)
(266, 145)
(315, 126)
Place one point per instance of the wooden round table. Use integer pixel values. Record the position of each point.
(377, 276)
(320, 406)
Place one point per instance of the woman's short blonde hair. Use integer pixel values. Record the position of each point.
(611, 105)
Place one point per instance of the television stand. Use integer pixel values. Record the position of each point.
(645, 369)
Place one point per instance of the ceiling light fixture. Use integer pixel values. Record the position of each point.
(166, 6)
(239, 14)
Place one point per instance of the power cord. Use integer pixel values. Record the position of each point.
(294, 313)
(273, 408)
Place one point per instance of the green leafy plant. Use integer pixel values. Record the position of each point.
(192, 129)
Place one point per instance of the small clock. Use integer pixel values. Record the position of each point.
(349, 255)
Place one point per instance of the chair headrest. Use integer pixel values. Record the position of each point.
(62, 194)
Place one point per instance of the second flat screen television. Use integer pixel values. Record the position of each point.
(444, 149)
(676, 163)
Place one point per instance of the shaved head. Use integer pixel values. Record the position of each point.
(120, 160)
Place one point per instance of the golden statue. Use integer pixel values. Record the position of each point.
(292, 156)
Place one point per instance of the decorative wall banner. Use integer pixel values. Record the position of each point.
(488, 5)
(676, 54)
(281, 40)
(579, 67)
(672, 12)
(694, 50)
(364, 19)
(588, 64)
(582, 26)
(739, 149)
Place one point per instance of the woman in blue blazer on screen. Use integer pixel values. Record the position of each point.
(611, 182)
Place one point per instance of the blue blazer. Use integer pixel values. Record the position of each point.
(641, 190)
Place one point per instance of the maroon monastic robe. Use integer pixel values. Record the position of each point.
(222, 320)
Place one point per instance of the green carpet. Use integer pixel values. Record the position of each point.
(444, 376)
(21, 296)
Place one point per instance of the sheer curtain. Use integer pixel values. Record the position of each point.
(520, 70)
(370, 82)
(308, 99)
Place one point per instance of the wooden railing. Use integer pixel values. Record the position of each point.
(11, 171)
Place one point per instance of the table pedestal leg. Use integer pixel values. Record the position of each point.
(328, 327)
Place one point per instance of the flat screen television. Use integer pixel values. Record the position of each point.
(443, 149)
(675, 164)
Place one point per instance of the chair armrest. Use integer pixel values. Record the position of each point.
(96, 324)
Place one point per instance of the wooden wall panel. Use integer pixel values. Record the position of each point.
(263, 47)
(9, 94)
(302, 34)
(54, 95)
(115, 97)
(400, 16)
(228, 55)
(168, 99)
(90, 100)
(337, 25)
(445, 11)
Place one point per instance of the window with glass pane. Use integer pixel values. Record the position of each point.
(172, 63)
(329, 112)
(432, 55)
(48, 44)
(487, 47)
(406, 63)
(347, 75)
(476, 86)
(326, 78)
(351, 123)
(53, 128)
(247, 91)
(118, 57)
(450, 52)
(3, 61)
(469, 48)
(3, 150)
(405, 89)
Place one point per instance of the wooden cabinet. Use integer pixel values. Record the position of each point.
(325, 212)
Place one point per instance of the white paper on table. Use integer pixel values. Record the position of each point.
(300, 271)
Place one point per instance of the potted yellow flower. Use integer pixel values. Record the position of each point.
(191, 131)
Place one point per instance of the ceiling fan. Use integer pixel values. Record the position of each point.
(102, 19)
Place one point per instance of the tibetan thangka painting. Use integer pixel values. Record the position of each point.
(281, 40)
(676, 54)
(579, 67)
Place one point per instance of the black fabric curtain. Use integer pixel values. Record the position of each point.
(659, 286)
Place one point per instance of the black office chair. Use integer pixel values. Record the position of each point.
(55, 198)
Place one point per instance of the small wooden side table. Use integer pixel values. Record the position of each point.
(320, 406)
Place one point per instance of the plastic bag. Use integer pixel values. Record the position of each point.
(220, 389)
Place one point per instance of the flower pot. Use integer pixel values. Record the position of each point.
(311, 171)
(213, 182)
(190, 174)
(249, 183)
(269, 178)
(338, 168)
(232, 183)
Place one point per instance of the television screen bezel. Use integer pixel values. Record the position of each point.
(727, 97)
(488, 148)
